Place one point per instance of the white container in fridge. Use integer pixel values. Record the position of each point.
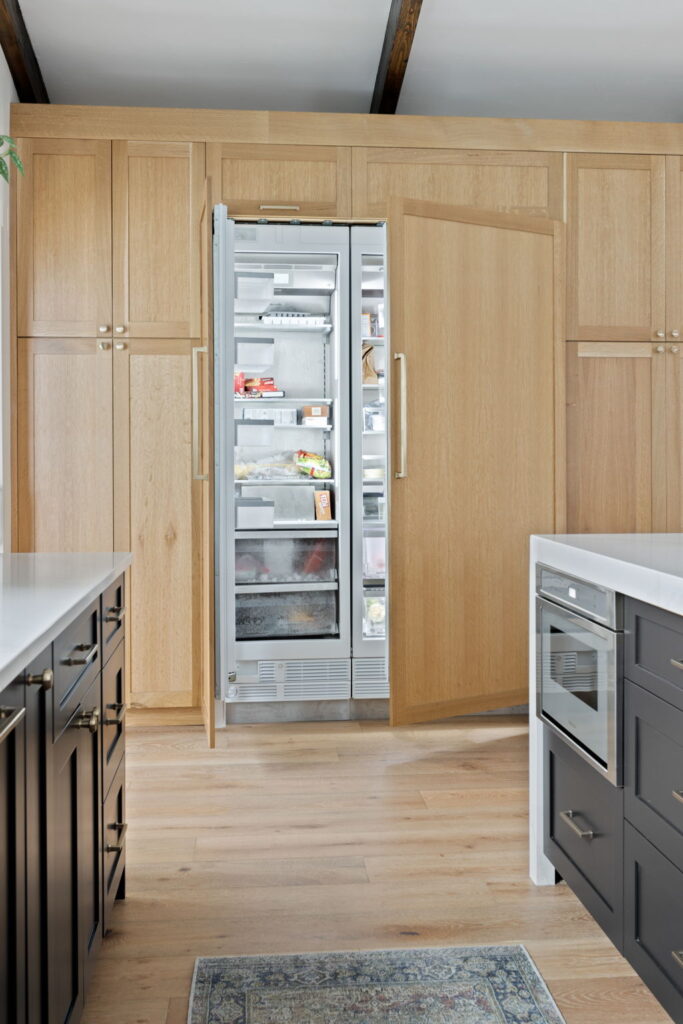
(255, 433)
(254, 514)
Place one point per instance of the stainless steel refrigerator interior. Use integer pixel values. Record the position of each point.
(298, 395)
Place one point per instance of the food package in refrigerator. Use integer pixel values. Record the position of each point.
(369, 372)
(274, 466)
(316, 466)
(374, 557)
(323, 505)
(239, 379)
(374, 614)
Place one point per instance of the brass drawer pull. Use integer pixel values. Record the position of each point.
(87, 653)
(677, 664)
(677, 794)
(568, 817)
(44, 679)
(677, 954)
(121, 827)
(115, 614)
(9, 720)
(89, 720)
(120, 710)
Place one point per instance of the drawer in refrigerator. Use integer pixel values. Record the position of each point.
(302, 557)
(289, 612)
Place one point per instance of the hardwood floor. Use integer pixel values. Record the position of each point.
(292, 838)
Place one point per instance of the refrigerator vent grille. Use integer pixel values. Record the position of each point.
(252, 692)
(370, 678)
(315, 670)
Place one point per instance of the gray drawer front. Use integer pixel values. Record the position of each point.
(591, 867)
(653, 927)
(76, 663)
(113, 715)
(114, 841)
(585, 598)
(113, 617)
(653, 642)
(654, 770)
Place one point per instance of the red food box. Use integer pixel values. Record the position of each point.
(239, 384)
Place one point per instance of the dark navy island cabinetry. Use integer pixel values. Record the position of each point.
(62, 812)
(621, 850)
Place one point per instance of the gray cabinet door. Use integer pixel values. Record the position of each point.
(12, 854)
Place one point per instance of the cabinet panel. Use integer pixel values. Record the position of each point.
(12, 854)
(64, 445)
(281, 181)
(528, 183)
(157, 196)
(616, 437)
(615, 244)
(156, 517)
(64, 238)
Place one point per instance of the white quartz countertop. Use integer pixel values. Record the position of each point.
(647, 566)
(40, 594)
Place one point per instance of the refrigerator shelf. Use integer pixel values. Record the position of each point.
(374, 433)
(282, 588)
(289, 530)
(374, 340)
(373, 387)
(301, 329)
(271, 401)
(295, 481)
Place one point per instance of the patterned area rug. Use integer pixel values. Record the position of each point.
(467, 985)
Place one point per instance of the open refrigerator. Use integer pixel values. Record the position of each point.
(299, 534)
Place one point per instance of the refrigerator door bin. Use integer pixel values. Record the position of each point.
(254, 513)
(307, 558)
(374, 612)
(287, 614)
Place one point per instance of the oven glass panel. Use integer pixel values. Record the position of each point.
(574, 666)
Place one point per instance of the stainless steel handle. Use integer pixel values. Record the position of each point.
(196, 468)
(583, 833)
(402, 472)
(44, 679)
(675, 334)
(89, 720)
(660, 349)
(9, 720)
(277, 206)
(88, 654)
(677, 664)
(119, 346)
(677, 794)
(121, 827)
(660, 334)
(120, 329)
(120, 710)
(115, 614)
(104, 345)
(677, 954)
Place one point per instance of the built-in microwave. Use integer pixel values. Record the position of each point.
(579, 680)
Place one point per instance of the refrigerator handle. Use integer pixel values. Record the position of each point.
(196, 467)
(402, 472)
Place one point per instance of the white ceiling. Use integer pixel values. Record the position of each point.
(595, 59)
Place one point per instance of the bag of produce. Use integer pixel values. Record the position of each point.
(313, 465)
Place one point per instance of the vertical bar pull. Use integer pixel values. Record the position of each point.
(402, 472)
(196, 467)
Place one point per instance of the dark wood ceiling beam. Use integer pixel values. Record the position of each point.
(20, 55)
(398, 41)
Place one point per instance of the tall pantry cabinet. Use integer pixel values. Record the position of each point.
(107, 316)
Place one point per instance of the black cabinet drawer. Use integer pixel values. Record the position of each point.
(583, 833)
(77, 659)
(113, 617)
(113, 715)
(653, 650)
(653, 925)
(114, 843)
(653, 761)
(12, 853)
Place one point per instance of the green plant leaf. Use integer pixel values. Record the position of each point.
(3, 169)
(16, 160)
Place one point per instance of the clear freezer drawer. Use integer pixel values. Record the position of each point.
(287, 615)
(286, 560)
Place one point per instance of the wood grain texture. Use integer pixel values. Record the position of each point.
(64, 238)
(64, 446)
(153, 455)
(481, 451)
(528, 183)
(393, 61)
(616, 248)
(616, 437)
(309, 180)
(170, 124)
(157, 196)
(674, 439)
(338, 836)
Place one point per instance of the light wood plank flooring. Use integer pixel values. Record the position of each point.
(292, 838)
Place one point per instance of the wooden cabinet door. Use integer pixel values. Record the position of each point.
(615, 243)
(157, 511)
(616, 437)
(12, 854)
(157, 196)
(674, 438)
(674, 248)
(64, 239)
(530, 183)
(281, 181)
(474, 460)
(64, 445)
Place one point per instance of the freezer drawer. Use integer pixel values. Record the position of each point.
(285, 615)
(305, 559)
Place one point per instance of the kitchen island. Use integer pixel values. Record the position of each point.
(62, 775)
(606, 762)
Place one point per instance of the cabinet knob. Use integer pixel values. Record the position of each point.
(89, 720)
(103, 328)
(44, 679)
(104, 345)
(659, 348)
(120, 329)
(119, 346)
(675, 334)
(674, 348)
(658, 334)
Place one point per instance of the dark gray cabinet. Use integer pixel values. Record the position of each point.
(12, 853)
